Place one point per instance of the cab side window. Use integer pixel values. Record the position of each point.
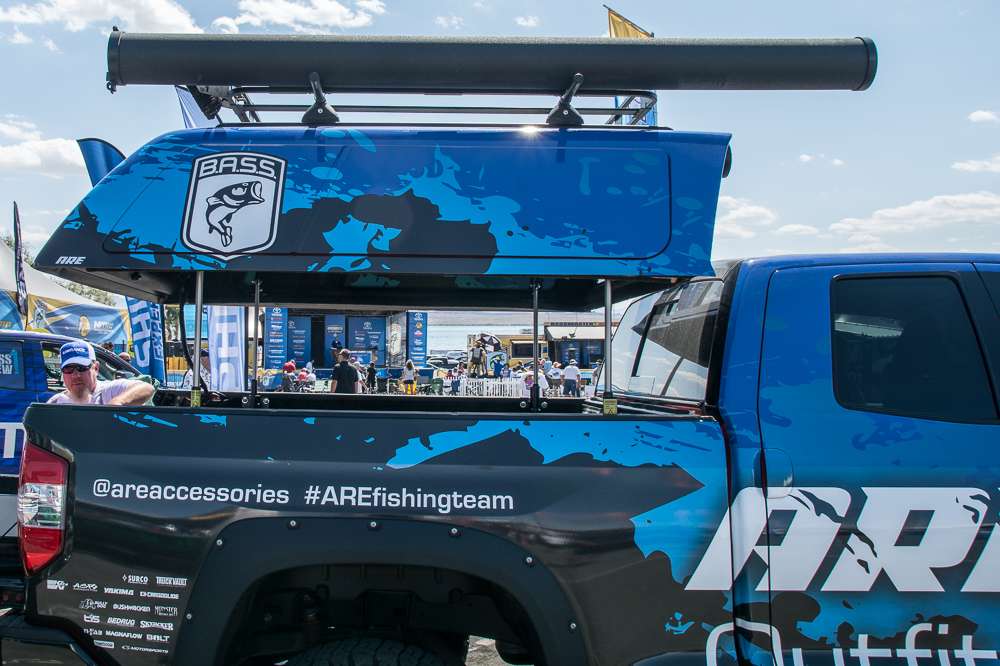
(906, 345)
(53, 375)
(11, 366)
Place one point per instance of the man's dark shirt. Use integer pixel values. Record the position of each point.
(346, 377)
(371, 376)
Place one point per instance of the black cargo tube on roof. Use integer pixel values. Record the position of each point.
(490, 64)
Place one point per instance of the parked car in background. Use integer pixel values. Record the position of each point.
(29, 372)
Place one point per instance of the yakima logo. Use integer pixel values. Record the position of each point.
(953, 518)
(233, 203)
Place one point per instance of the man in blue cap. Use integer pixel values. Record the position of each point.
(79, 372)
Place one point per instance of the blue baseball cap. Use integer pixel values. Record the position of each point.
(76, 353)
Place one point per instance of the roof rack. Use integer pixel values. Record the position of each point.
(222, 71)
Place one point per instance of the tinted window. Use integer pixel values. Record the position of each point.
(11, 366)
(992, 279)
(675, 355)
(522, 349)
(907, 345)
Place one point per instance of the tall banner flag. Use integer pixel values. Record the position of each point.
(227, 338)
(620, 27)
(147, 337)
(100, 157)
(22, 286)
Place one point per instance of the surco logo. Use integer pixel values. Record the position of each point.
(233, 203)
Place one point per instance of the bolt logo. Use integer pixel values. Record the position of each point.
(233, 203)
(872, 548)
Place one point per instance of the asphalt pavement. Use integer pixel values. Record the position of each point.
(482, 653)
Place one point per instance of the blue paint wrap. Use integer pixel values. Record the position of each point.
(399, 200)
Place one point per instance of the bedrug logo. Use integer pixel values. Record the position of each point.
(233, 203)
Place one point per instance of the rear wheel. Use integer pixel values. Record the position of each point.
(367, 652)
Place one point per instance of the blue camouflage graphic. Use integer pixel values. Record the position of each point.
(427, 201)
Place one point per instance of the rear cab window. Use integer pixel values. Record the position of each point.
(907, 345)
(663, 344)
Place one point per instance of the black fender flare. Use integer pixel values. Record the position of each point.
(256, 547)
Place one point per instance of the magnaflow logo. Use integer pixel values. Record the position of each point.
(952, 519)
(233, 203)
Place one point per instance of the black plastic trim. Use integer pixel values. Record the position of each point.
(229, 571)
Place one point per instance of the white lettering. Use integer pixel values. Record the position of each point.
(957, 515)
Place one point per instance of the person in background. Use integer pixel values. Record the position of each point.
(555, 376)
(288, 377)
(125, 356)
(409, 378)
(547, 365)
(505, 372)
(345, 376)
(371, 378)
(108, 346)
(498, 366)
(79, 373)
(477, 360)
(572, 377)
(205, 369)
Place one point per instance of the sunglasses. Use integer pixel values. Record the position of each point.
(72, 368)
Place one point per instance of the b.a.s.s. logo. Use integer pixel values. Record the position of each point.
(233, 203)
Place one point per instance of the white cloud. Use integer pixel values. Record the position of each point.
(371, 6)
(76, 15)
(796, 230)
(449, 22)
(983, 116)
(806, 158)
(741, 218)
(49, 157)
(226, 25)
(308, 16)
(19, 38)
(14, 129)
(920, 225)
(991, 165)
(51, 45)
(527, 21)
(481, 5)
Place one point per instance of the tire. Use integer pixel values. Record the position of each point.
(366, 652)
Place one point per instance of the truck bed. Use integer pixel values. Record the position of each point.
(174, 511)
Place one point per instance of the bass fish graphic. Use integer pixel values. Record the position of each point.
(227, 202)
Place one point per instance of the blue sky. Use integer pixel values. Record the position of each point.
(911, 164)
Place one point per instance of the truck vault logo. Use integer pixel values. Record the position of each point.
(233, 203)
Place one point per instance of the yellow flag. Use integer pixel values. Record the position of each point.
(621, 27)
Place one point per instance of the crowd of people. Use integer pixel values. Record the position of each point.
(552, 376)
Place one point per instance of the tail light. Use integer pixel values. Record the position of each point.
(41, 506)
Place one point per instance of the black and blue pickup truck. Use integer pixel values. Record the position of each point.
(789, 463)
